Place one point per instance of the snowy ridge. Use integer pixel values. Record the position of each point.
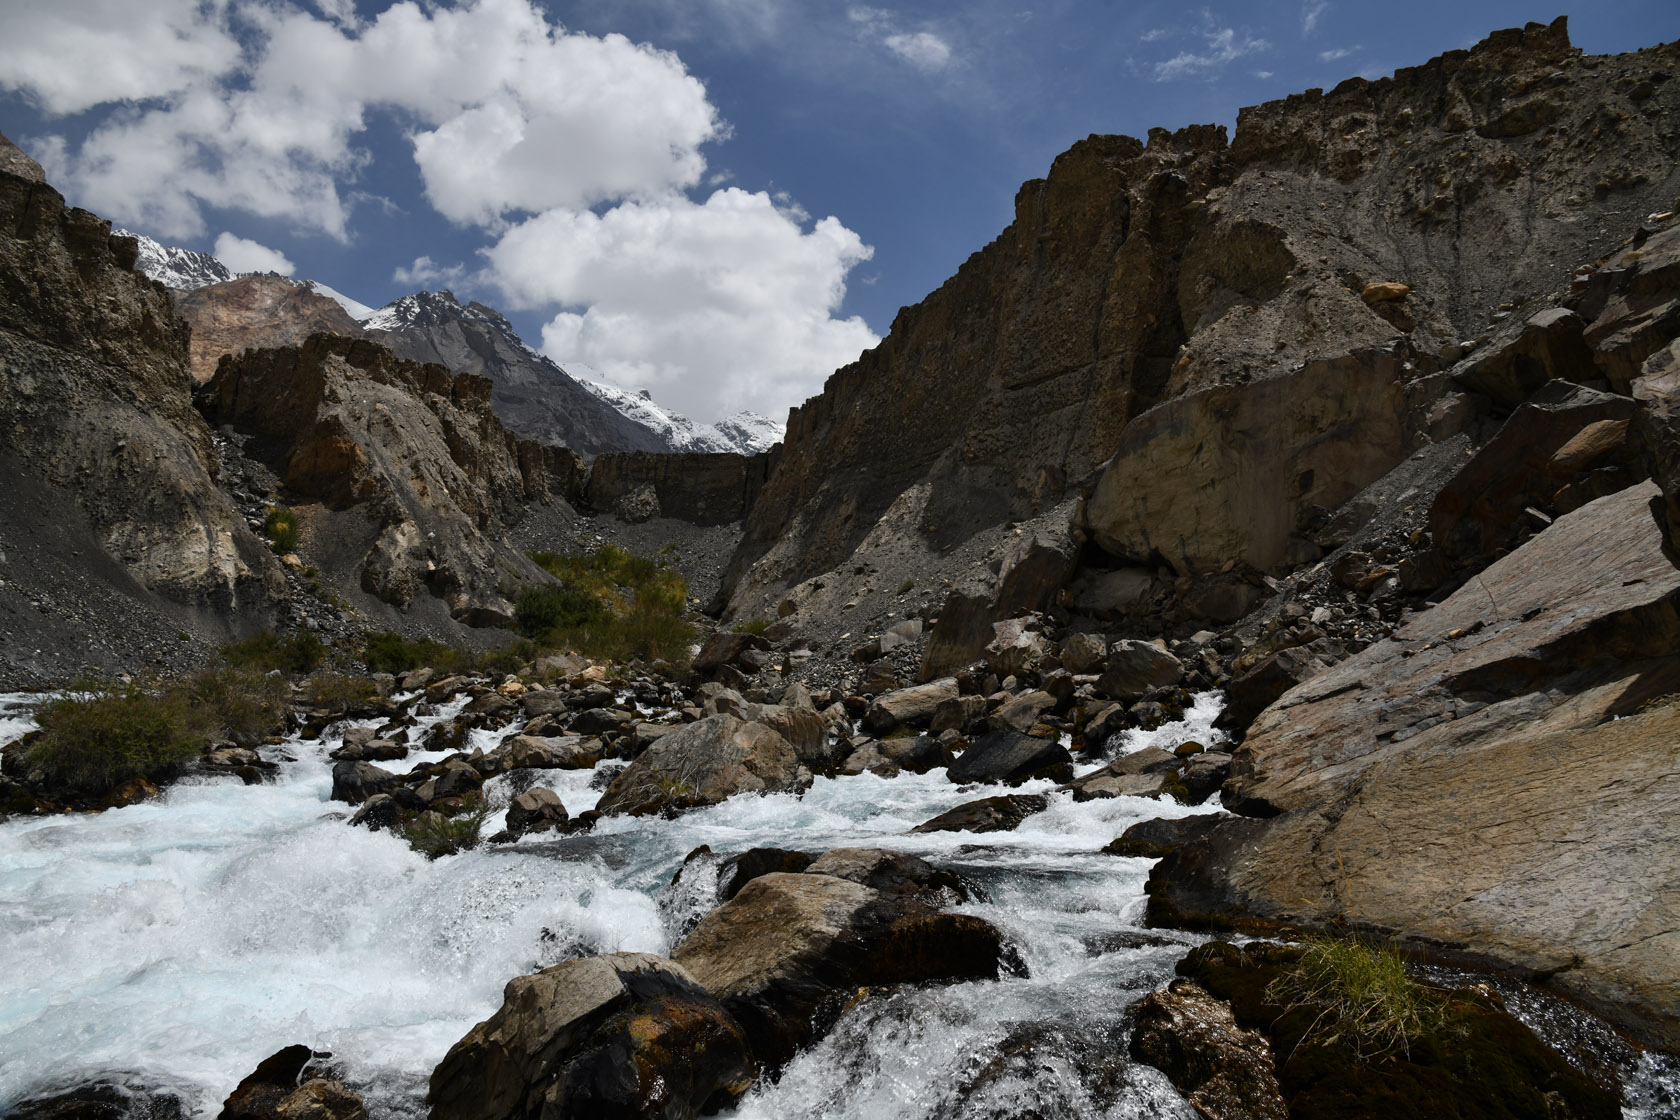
(354, 308)
(174, 267)
(429, 309)
(745, 432)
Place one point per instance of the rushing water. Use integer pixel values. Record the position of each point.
(178, 942)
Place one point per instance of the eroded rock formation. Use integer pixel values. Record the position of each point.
(255, 312)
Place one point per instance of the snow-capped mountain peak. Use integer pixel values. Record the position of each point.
(745, 432)
(175, 267)
(354, 308)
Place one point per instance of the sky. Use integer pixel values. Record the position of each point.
(720, 201)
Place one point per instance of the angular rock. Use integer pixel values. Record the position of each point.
(725, 648)
(1153, 839)
(1083, 653)
(737, 871)
(704, 763)
(908, 707)
(355, 782)
(990, 814)
(1021, 713)
(626, 1034)
(1016, 649)
(1143, 773)
(567, 752)
(1253, 692)
(1224, 1071)
(535, 810)
(1135, 667)
(1548, 346)
(1004, 756)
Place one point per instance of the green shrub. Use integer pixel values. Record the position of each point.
(608, 604)
(99, 734)
(299, 652)
(245, 705)
(388, 652)
(433, 835)
(338, 692)
(755, 626)
(1363, 996)
(545, 607)
(281, 526)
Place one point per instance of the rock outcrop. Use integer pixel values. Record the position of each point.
(1495, 781)
(704, 489)
(96, 406)
(409, 477)
(255, 312)
(1189, 273)
(703, 763)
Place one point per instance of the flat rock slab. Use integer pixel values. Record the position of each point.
(1466, 785)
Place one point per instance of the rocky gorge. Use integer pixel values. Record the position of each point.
(1303, 566)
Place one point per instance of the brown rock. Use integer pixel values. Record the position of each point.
(1381, 291)
(1224, 1071)
(704, 763)
(908, 707)
(255, 312)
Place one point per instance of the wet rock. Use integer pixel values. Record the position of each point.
(737, 871)
(1225, 1072)
(1203, 775)
(355, 782)
(1021, 713)
(567, 752)
(908, 707)
(1005, 756)
(627, 1034)
(262, 1093)
(381, 812)
(321, 1098)
(115, 1097)
(535, 810)
(1135, 668)
(990, 814)
(1143, 773)
(599, 721)
(703, 763)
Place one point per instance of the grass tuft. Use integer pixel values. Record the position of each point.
(281, 527)
(433, 835)
(99, 734)
(301, 652)
(1362, 994)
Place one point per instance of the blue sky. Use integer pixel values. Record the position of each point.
(717, 200)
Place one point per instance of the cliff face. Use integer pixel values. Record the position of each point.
(96, 406)
(1135, 274)
(532, 395)
(255, 312)
(404, 473)
(706, 489)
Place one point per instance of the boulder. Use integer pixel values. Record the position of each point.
(1467, 784)
(1546, 346)
(789, 945)
(535, 810)
(355, 782)
(1224, 1071)
(725, 648)
(1021, 713)
(1109, 595)
(1006, 756)
(1083, 653)
(1136, 667)
(1016, 648)
(989, 814)
(1032, 570)
(957, 714)
(703, 763)
(1248, 695)
(626, 1034)
(566, 752)
(908, 707)
(737, 871)
(1143, 773)
(1155, 838)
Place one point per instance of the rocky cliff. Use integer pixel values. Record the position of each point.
(532, 395)
(96, 404)
(706, 489)
(402, 472)
(1383, 227)
(254, 312)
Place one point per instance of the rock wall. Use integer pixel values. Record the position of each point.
(255, 312)
(706, 489)
(95, 401)
(1409, 214)
(412, 447)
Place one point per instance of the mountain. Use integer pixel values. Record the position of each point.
(532, 395)
(745, 432)
(255, 311)
(355, 308)
(182, 269)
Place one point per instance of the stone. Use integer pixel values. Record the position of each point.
(737, 871)
(1108, 595)
(1021, 713)
(908, 707)
(322, 1098)
(1011, 758)
(1155, 838)
(990, 814)
(355, 782)
(703, 763)
(1203, 774)
(957, 714)
(1545, 347)
(725, 648)
(627, 1034)
(1143, 773)
(1250, 693)
(1383, 290)
(1083, 653)
(1135, 667)
(1032, 571)
(535, 810)
(1016, 648)
(1224, 1071)
(1475, 793)
(803, 729)
(566, 752)
(598, 721)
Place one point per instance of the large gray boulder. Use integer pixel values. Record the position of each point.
(629, 1035)
(908, 707)
(703, 763)
(1007, 756)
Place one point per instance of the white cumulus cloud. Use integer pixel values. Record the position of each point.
(244, 255)
(712, 306)
(922, 49)
(427, 273)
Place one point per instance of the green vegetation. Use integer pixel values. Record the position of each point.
(301, 652)
(389, 652)
(432, 834)
(755, 626)
(281, 526)
(607, 604)
(906, 587)
(1361, 994)
(100, 734)
(239, 704)
(338, 692)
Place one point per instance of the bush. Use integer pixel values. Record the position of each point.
(281, 525)
(388, 652)
(99, 734)
(545, 607)
(1363, 996)
(754, 626)
(300, 652)
(244, 705)
(338, 692)
(608, 604)
(433, 835)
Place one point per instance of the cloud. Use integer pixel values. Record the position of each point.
(712, 306)
(509, 114)
(923, 49)
(1224, 45)
(427, 273)
(243, 255)
(1311, 10)
(1155, 35)
(70, 55)
(1338, 53)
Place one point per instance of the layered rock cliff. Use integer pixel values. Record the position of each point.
(1379, 227)
(255, 312)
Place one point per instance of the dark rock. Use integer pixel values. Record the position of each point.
(725, 648)
(991, 814)
(737, 871)
(597, 721)
(1134, 668)
(535, 810)
(1251, 693)
(1203, 775)
(1004, 756)
(1153, 839)
(703, 763)
(114, 1097)
(1224, 1071)
(355, 782)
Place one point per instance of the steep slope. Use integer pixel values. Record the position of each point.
(255, 311)
(1137, 274)
(532, 395)
(96, 406)
(744, 432)
(174, 267)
